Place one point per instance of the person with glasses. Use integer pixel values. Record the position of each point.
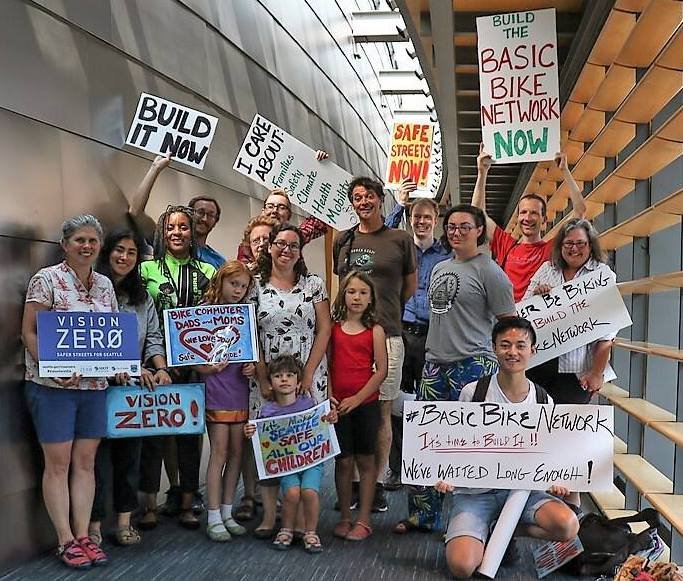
(520, 259)
(575, 376)
(256, 238)
(467, 295)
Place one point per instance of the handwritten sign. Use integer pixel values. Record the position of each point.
(291, 443)
(574, 314)
(90, 344)
(161, 126)
(409, 153)
(169, 409)
(273, 158)
(210, 334)
(550, 556)
(508, 446)
(518, 83)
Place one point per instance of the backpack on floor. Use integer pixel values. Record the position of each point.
(483, 386)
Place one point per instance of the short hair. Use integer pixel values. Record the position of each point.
(203, 198)
(593, 241)
(367, 183)
(508, 323)
(433, 206)
(286, 363)
(283, 193)
(544, 204)
(476, 213)
(71, 225)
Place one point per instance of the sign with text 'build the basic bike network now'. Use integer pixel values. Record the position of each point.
(518, 86)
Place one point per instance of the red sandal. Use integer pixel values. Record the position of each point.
(96, 555)
(359, 532)
(73, 555)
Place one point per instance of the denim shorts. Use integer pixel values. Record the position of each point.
(472, 515)
(306, 479)
(63, 415)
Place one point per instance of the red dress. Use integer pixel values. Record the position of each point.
(352, 362)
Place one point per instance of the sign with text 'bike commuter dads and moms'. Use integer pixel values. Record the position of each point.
(273, 158)
(518, 84)
(89, 344)
(410, 152)
(161, 126)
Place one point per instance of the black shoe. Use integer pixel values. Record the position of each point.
(173, 501)
(197, 503)
(511, 555)
(355, 493)
(393, 482)
(379, 502)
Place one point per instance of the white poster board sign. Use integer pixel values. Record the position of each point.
(574, 314)
(161, 126)
(508, 446)
(518, 84)
(273, 158)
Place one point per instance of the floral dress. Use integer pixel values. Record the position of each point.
(286, 326)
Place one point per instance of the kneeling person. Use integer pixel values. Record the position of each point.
(475, 510)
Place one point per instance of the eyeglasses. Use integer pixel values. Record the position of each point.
(204, 214)
(293, 246)
(464, 228)
(258, 241)
(278, 207)
(579, 244)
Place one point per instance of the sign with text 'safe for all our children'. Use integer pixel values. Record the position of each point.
(518, 84)
(89, 344)
(170, 409)
(273, 158)
(508, 446)
(162, 127)
(210, 334)
(410, 152)
(574, 314)
(291, 443)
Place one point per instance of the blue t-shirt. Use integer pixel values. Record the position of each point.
(208, 254)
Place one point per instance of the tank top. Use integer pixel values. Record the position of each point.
(352, 362)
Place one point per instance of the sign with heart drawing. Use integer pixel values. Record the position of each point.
(210, 334)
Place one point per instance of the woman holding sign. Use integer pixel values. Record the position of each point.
(69, 413)
(174, 278)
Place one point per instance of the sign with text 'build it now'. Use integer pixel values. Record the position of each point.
(273, 158)
(89, 344)
(518, 86)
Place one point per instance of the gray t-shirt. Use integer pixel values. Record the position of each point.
(464, 300)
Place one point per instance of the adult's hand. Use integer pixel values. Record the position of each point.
(161, 162)
(321, 155)
(306, 382)
(484, 160)
(121, 378)
(444, 487)
(72, 381)
(404, 189)
(147, 379)
(162, 377)
(592, 381)
(542, 289)
(561, 160)
(249, 370)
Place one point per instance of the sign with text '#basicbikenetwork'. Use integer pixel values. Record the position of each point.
(519, 88)
(273, 158)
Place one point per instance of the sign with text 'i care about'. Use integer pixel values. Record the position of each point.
(410, 152)
(161, 126)
(273, 158)
(518, 86)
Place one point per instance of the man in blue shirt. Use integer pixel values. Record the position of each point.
(424, 213)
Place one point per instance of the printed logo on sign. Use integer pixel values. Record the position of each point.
(443, 290)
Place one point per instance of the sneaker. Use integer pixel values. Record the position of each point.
(96, 555)
(379, 502)
(73, 555)
(173, 501)
(393, 482)
(511, 555)
(198, 503)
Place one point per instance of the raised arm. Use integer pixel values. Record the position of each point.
(479, 195)
(575, 195)
(393, 219)
(137, 206)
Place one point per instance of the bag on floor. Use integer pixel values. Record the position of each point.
(642, 569)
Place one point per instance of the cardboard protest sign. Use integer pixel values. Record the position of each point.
(410, 153)
(90, 344)
(508, 446)
(574, 314)
(210, 334)
(291, 443)
(518, 86)
(161, 126)
(550, 556)
(273, 158)
(168, 410)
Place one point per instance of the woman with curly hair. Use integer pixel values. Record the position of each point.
(255, 240)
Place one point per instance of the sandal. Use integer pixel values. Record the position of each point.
(188, 520)
(217, 532)
(342, 529)
(406, 526)
(148, 521)
(359, 532)
(245, 510)
(263, 534)
(312, 542)
(73, 555)
(283, 540)
(96, 555)
(126, 536)
(95, 537)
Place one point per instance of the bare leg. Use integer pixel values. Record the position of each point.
(232, 470)
(555, 521)
(463, 556)
(269, 496)
(82, 483)
(383, 440)
(343, 472)
(218, 436)
(311, 502)
(56, 488)
(290, 504)
(367, 469)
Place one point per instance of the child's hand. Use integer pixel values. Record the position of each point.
(331, 417)
(211, 368)
(249, 370)
(444, 487)
(348, 404)
(561, 491)
(249, 430)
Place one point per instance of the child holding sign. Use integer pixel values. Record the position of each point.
(285, 375)
(227, 408)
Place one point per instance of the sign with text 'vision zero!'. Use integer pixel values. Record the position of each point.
(273, 158)
(508, 446)
(518, 84)
(161, 126)
(169, 409)
(291, 443)
(574, 314)
(89, 344)
(410, 152)
(210, 334)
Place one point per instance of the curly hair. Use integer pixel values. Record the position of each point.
(214, 292)
(160, 231)
(339, 310)
(131, 285)
(253, 223)
(265, 261)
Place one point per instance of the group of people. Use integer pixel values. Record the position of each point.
(414, 316)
